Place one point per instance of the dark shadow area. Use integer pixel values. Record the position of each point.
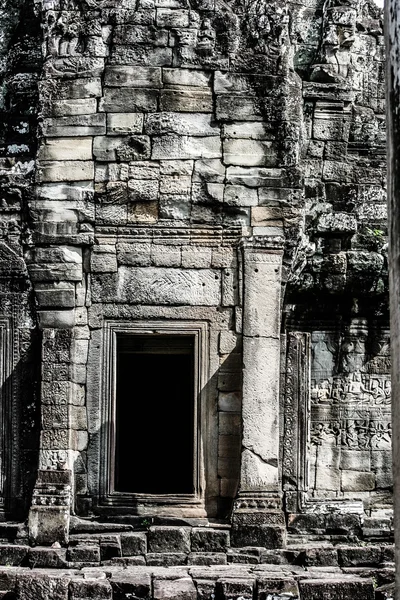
(155, 415)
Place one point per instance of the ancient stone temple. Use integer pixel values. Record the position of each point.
(193, 287)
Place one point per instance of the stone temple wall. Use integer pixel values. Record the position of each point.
(216, 167)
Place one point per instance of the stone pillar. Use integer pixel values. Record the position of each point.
(392, 29)
(258, 519)
(49, 515)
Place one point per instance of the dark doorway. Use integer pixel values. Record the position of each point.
(154, 450)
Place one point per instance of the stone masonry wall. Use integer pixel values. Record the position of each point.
(169, 133)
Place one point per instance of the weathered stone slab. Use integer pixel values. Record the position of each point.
(274, 588)
(40, 586)
(174, 146)
(132, 76)
(124, 123)
(198, 124)
(182, 587)
(129, 100)
(81, 88)
(78, 106)
(110, 149)
(186, 77)
(169, 539)
(75, 125)
(209, 540)
(162, 286)
(247, 152)
(336, 589)
(186, 101)
(66, 149)
(68, 170)
(85, 589)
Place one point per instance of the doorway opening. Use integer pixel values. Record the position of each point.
(155, 414)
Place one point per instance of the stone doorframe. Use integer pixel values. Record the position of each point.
(205, 448)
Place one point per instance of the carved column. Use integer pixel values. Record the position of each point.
(392, 29)
(257, 517)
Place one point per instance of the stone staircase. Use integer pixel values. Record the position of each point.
(117, 561)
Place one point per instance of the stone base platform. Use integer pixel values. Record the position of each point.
(118, 561)
(220, 582)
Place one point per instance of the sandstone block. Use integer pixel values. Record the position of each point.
(230, 402)
(129, 100)
(166, 559)
(206, 559)
(84, 554)
(75, 125)
(167, 17)
(74, 106)
(250, 153)
(85, 589)
(133, 543)
(66, 149)
(143, 190)
(140, 34)
(57, 319)
(182, 147)
(274, 588)
(209, 540)
(186, 77)
(192, 101)
(132, 76)
(68, 170)
(110, 149)
(41, 585)
(134, 585)
(169, 539)
(182, 587)
(124, 123)
(314, 589)
(235, 588)
(13, 555)
(356, 481)
(81, 88)
(210, 171)
(194, 124)
(240, 195)
(175, 185)
(47, 558)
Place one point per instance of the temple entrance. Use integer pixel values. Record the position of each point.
(154, 425)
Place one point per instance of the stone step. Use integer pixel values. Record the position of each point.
(192, 583)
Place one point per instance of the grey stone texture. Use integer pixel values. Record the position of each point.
(210, 170)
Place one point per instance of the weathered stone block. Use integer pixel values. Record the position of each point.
(235, 588)
(166, 559)
(124, 123)
(68, 170)
(173, 146)
(193, 124)
(110, 149)
(336, 589)
(192, 101)
(182, 587)
(75, 125)
(209, 540)
(66, 149)
(132, 76)
(47, 558)
(356, 481)
(143, 190)
(134, 585)
(13, 555)
(40, 585)
(133, 543)
(85, 589)
(169, 539)
(186, 77)
(78, 106)
(359, 556)
(207, 558)
(129, 100)
(273, 588)
(266, 536)
(250, 153)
